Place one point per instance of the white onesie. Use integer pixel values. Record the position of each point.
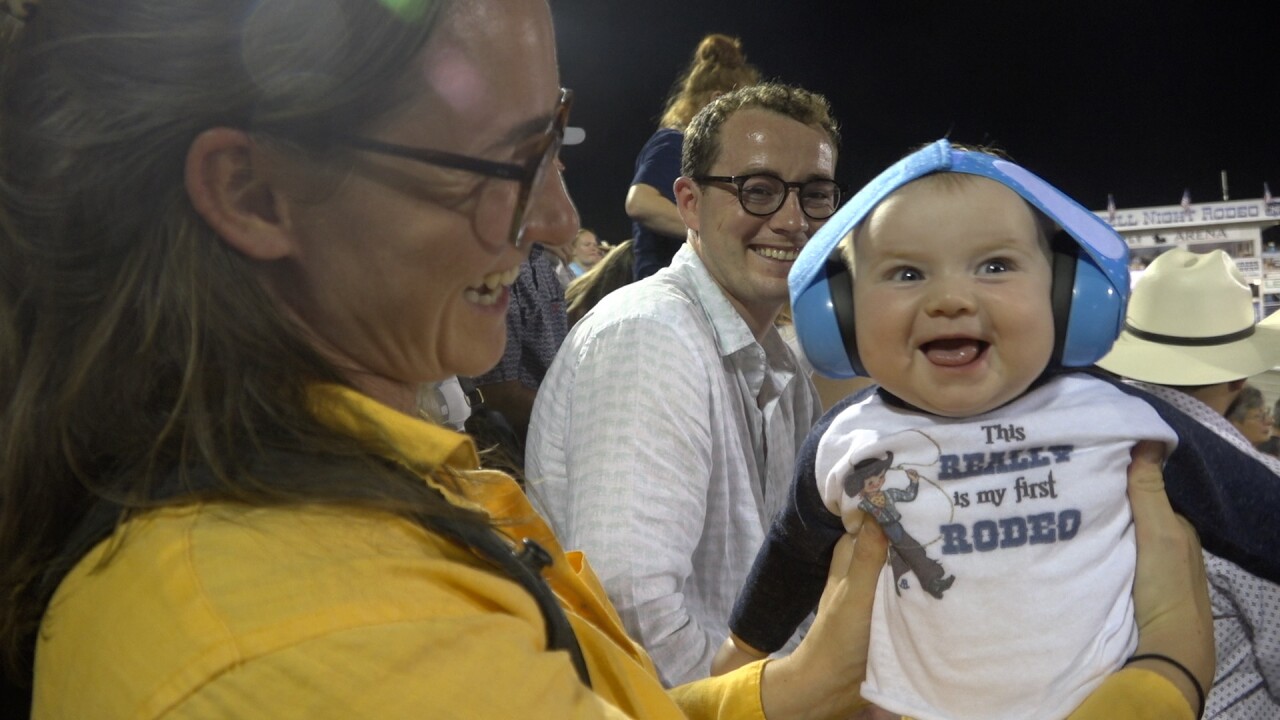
(1025, 509)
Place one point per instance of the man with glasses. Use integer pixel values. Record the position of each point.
(664, 436)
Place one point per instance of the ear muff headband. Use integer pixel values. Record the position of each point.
(1062, 249)
(1099, 293)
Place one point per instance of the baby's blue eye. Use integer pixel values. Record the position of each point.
(996, 266)
(907, 274)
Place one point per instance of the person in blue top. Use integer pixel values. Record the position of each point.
(718, 66)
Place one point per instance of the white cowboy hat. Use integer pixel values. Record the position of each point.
(1191, 322)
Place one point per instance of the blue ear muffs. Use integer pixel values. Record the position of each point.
(1091, 265)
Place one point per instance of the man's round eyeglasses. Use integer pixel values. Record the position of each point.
(530, 174)
(762, 194)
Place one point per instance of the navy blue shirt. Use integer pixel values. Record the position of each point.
(658, 166)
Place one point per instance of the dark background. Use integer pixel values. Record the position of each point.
(1137, 99)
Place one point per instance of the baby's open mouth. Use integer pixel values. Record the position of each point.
(953, 352)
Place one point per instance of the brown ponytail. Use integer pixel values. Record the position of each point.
(718, 66)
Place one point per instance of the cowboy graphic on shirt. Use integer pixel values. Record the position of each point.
(865, 482)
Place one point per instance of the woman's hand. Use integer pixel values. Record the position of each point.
(821, 678)
(1170, 592)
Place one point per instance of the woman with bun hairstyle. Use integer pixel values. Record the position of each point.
(718, 66)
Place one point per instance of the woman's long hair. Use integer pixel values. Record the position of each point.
(718, 66)
(140, 362)
(610, 273)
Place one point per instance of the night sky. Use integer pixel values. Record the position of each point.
(1139, 100)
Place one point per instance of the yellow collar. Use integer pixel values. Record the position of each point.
(421, 446)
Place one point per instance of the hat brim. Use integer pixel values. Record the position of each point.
(1165, 364)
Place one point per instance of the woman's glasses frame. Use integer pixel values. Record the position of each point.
(529, 174)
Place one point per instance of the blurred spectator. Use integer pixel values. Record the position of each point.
(560, 258)
(611, 273)
(1272, 445)
(1250, 415)
(585, 251)
(718, 66)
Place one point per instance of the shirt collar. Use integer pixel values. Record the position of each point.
(421, 446)
(425, 448)
(732, 333)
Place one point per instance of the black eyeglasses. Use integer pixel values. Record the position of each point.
(763, 194)
(529, 175)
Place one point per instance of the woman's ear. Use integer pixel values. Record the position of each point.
(230, 189)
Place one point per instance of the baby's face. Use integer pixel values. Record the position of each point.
(951, 295)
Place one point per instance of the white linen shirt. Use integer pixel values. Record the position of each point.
(662, 442)
(1246, 608)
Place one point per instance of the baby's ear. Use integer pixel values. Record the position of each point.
(229, 189)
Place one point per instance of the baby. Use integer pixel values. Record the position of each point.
(968, 287)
